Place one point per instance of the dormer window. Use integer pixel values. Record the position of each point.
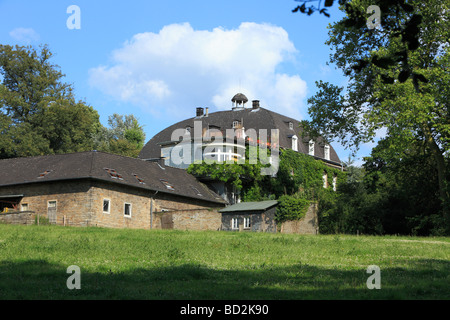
(235, 124)
(311, 148)
(326, 152)
(291, 126)
(294, 143)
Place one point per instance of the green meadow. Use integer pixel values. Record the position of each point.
(173, 264)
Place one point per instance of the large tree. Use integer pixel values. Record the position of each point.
(399, 80)
(38, 111)
(124, 136)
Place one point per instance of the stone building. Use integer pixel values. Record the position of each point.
(106, 190)
(250, 216)
(205, 126)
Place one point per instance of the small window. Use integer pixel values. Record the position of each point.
(291, 126)
(24, 207)
(247, 223)
(311, 147)
(127, 210)
(43, 174)
(51, 204)
(106, 205)
(235, 124)
(167, 184)
(141, 181)
(196, 191)
(325, 180)
(295, 143)
(234, 223)
(334, 183)
(326, 152)
(188, 130)
(113, 174)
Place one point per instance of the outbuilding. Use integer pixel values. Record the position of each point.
(251, 216)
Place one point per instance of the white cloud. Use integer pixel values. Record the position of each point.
(182, 68)
(24, 35)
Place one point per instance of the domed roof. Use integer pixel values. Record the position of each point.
(250, 118)
(239, 98)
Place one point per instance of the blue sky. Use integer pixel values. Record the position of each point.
(159, 60)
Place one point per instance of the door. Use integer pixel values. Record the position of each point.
(51, 211)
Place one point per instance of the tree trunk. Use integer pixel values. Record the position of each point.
(441, 171)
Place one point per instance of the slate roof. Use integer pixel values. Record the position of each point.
(250, 206)
(93, 165)
(259, 118)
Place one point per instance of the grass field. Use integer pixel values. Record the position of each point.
(171, 264)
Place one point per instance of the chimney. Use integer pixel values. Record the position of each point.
(255, 104)
(206, 111)
(199, 112)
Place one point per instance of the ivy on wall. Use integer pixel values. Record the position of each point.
(298, 182)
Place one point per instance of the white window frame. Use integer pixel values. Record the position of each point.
(109, 205)
(291, 126)
(326, 152)
(56, 204)
(124, 210)
(247, 224)
(234, 223)
(334, 183)
(325, 180)
(235, 124)
(24, 204)
(294, 143)
(311, 147)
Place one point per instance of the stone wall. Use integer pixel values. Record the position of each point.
(72, 200)
(80, 203)
(25, 217)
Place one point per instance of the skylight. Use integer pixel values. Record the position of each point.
(196, 191)
(43, 174)
(113, 174)
(141, 181)
(167, 184)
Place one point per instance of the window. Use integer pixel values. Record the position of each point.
(326, 152)
(141, 181)
(167, 184)
(106, 205)
(113, 173)
(127, 210)
(43, 174)
(325, 180)
(311, 148)
(334, 183)
(24, 207)
(188, 130)
(234, 223)
(247, 223)
(294, 143)
(291, 126)
(235, 124)
(51, 204)
(196, 191)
